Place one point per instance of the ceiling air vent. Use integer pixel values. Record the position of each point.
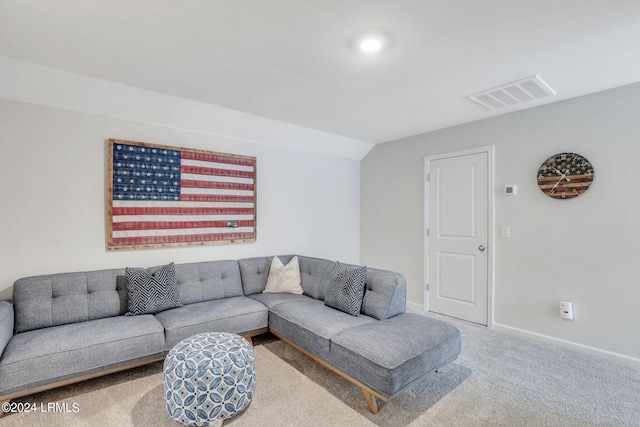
(513, 94)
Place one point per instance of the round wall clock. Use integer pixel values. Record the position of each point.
(565, 176)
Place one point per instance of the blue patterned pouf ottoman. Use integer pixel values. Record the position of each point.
(208, 378)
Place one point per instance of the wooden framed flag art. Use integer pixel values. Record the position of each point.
(171, 196)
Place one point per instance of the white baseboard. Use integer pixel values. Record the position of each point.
(414, 307)
(570, 344)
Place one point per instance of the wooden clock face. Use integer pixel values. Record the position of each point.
(565, 176)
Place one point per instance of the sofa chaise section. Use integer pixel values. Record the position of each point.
(382, 350)
(391, 354)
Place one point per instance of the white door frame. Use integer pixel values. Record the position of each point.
(490, 226)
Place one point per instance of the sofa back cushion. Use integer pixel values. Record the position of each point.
(385, 295)
(315, 277)
(255, 272)
(385, 292)
(209, 280)
(58, 299)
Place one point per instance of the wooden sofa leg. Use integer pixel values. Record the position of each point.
(250, 340)
(372, 404)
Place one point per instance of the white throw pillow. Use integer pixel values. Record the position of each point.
(284, 278)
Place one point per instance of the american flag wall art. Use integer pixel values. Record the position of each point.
(171, 196)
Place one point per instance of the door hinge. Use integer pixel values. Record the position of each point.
(427, 177)
(426, 232)
(427, 287)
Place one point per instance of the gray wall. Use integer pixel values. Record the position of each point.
(585, 250)
(53, 196)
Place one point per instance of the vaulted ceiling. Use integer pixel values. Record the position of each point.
(292, 60)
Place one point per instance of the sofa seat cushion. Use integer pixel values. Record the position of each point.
(271, 300)
(311, 324)
(237, 315)
(388, 355)
(44, 356)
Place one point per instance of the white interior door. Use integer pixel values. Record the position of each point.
(458, 236)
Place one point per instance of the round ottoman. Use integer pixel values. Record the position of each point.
(209, 377)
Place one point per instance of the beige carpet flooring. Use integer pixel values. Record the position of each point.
(499, 380)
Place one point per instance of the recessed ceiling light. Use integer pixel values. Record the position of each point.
(370, 45)
(369, 42)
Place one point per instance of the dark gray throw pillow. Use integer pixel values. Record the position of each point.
(151, 292)
(346, 289)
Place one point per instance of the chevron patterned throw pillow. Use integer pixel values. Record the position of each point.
(346, 289)
(151, 292)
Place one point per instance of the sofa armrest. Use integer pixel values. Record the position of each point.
(6, 324)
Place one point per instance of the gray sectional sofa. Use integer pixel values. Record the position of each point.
(64, 328)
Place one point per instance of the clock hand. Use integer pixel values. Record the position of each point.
(554, 187)
(564, 175)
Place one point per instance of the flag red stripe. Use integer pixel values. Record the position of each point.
(216, 198)
(205, 157)
(195, 238)
(172, 225)
(180, 211)
(189, 183)
(198, 170)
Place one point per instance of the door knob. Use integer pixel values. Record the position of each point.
(481, 248)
